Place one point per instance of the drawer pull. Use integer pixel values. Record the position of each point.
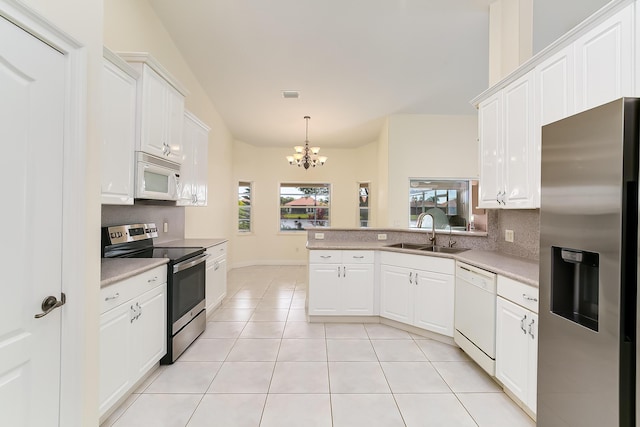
(155, 278)
(117, 295)
(325, 256)
(528, 298)
(358, 257)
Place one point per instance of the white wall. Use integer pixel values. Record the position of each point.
(133, 26)
(427, 146)
(88, 31)
(267, 168)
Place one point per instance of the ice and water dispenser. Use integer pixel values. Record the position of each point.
(575, 286)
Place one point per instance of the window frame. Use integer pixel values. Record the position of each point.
(239, 231)
(469, 200)
(302, 184)
(368, 206)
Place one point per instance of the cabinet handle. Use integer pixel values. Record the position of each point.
(528, 298)
(117, 295)
(524, 331)
(344, 271)
(338, 271)
(358, 257)
(133, 313)
(155, 278)
(216, 266)
(321, 256)
(531, 328)
(139, 311)
(498, 197)
(411, 277)
(416, 279)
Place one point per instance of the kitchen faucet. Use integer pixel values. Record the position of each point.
(432, 238)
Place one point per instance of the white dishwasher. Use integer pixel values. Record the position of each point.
(475, 315)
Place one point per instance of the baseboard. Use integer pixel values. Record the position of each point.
(287, 263)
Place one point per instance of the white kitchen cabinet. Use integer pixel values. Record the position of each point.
(160, 108)
(555, 81)
(508, 151)
(517, 339)
(418, 290)
(118, 130)
(133, 330)
(193, 170)
(604, 61)
(341, 283)
(216, 276)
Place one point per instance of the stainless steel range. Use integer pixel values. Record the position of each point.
(186, 316)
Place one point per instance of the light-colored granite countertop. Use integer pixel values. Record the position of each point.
(116, 269)
(516, 268)
(191, 243)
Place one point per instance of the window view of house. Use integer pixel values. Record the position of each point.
(363, 203)
(244, 206)
(447, 201)
(304, 205)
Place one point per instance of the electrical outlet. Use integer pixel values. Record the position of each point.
(319, 236)
(508, 235)
(382, 236)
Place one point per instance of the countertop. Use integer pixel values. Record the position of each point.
(116, 269)
(516, 268)
(191, 243)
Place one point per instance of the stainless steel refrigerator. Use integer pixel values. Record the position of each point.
(589, 268)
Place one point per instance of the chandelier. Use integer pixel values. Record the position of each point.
(305, 156)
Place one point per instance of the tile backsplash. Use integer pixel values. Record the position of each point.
(145, 213)
(525, 224)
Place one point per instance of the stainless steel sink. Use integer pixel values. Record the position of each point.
(427, 248)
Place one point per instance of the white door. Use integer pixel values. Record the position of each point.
(396, 293)
(357, 289)
(512, 347)
(434, 302)
(324, 289)
(491, 161)
(32, 82)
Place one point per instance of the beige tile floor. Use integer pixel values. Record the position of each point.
(259, 363)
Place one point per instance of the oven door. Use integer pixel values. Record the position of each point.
(187, 291)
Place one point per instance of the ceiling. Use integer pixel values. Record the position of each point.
(354, 62)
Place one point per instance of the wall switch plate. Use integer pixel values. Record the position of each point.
(382, 236)
(508, 235)
(166, 227)
(319, 236)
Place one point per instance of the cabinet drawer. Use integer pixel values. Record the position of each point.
(217, 251)
(518, 293)
(325, 257)
(120, 292)
(357, 257)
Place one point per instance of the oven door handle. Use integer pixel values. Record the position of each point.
(190, 263)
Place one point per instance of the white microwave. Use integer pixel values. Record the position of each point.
(156, 178)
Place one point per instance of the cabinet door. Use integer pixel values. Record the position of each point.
(149, 330)
(357, 289)
(491, 163)
(174, 122)
(115, 367)
(187, 171)
(604, 68)
(118, 136)
(512, 347)
(201, 165)
(555, 88)
(216, 287)
(520, 181)
(324, 290)
(532, 338)
(434, 295)
(153, 113)
(396, 293)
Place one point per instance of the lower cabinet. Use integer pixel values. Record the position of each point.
(216, 276)
(517, 340)
(132, 333)
(341, 283)
(418, 291)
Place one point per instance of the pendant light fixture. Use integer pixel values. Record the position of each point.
(305, 156)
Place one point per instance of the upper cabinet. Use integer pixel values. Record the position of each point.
(193, 170)
(118, 130)
(590, 65)
(508, 154)
(160, 108)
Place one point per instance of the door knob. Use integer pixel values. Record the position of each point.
(50, 303)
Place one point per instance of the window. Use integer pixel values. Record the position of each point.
(304, 205)
(447, 201)
(244, 206)
(363, 203)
